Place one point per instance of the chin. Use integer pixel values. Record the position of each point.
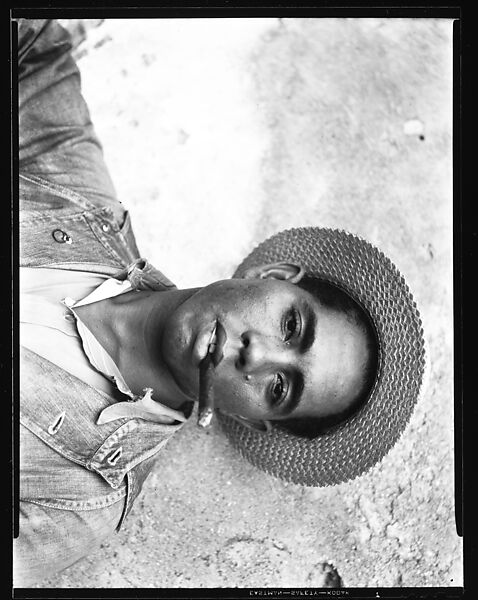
(182, 381)
(186, 390)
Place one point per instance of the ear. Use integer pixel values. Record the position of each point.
(252, 423)
(279, 270)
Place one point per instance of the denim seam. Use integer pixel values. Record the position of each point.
(60, 190)
(73, 218)
(79, 264)
(79, 505)
(61, 216)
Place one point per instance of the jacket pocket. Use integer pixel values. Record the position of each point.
(58, 226)
(51, 239)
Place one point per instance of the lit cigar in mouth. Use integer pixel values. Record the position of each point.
(206, 396)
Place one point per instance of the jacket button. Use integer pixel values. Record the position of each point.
(106, 227)
(61, 237)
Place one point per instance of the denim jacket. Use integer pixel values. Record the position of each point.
(54, 405)
(71, 219)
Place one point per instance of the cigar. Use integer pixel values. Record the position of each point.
(206, 396)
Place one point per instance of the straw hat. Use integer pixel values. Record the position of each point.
(354, 446)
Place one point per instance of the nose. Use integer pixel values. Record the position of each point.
(260, 352)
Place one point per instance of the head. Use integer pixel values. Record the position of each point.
(296, 351)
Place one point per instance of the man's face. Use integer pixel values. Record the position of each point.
(284, 353)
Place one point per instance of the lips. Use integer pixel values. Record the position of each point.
(210, 341)
(216, 345)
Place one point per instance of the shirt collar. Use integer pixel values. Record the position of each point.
(140, 275)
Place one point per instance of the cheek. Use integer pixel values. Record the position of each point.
(246, 299)
(175, 337)
(231, 395)
(240, 397)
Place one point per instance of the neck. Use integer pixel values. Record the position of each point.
(130, 327)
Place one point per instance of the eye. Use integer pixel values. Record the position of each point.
(279, 389)
(292, 324)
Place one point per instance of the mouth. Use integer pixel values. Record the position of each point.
(216, 343)
(210, 342)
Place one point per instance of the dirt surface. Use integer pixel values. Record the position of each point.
(218, 133)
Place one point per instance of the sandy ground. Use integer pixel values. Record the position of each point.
(219, 133)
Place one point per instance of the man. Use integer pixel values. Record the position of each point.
(308, 340)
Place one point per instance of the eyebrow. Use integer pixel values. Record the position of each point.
(308, 336)
(294, 397)
(306, 341)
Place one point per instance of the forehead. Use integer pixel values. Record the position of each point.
(334, 367)
(272, 290)
(249, 298)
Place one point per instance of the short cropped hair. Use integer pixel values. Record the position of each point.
(337, 299)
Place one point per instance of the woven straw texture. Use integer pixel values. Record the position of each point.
(356, 445)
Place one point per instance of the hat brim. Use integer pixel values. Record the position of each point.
(354, 446)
